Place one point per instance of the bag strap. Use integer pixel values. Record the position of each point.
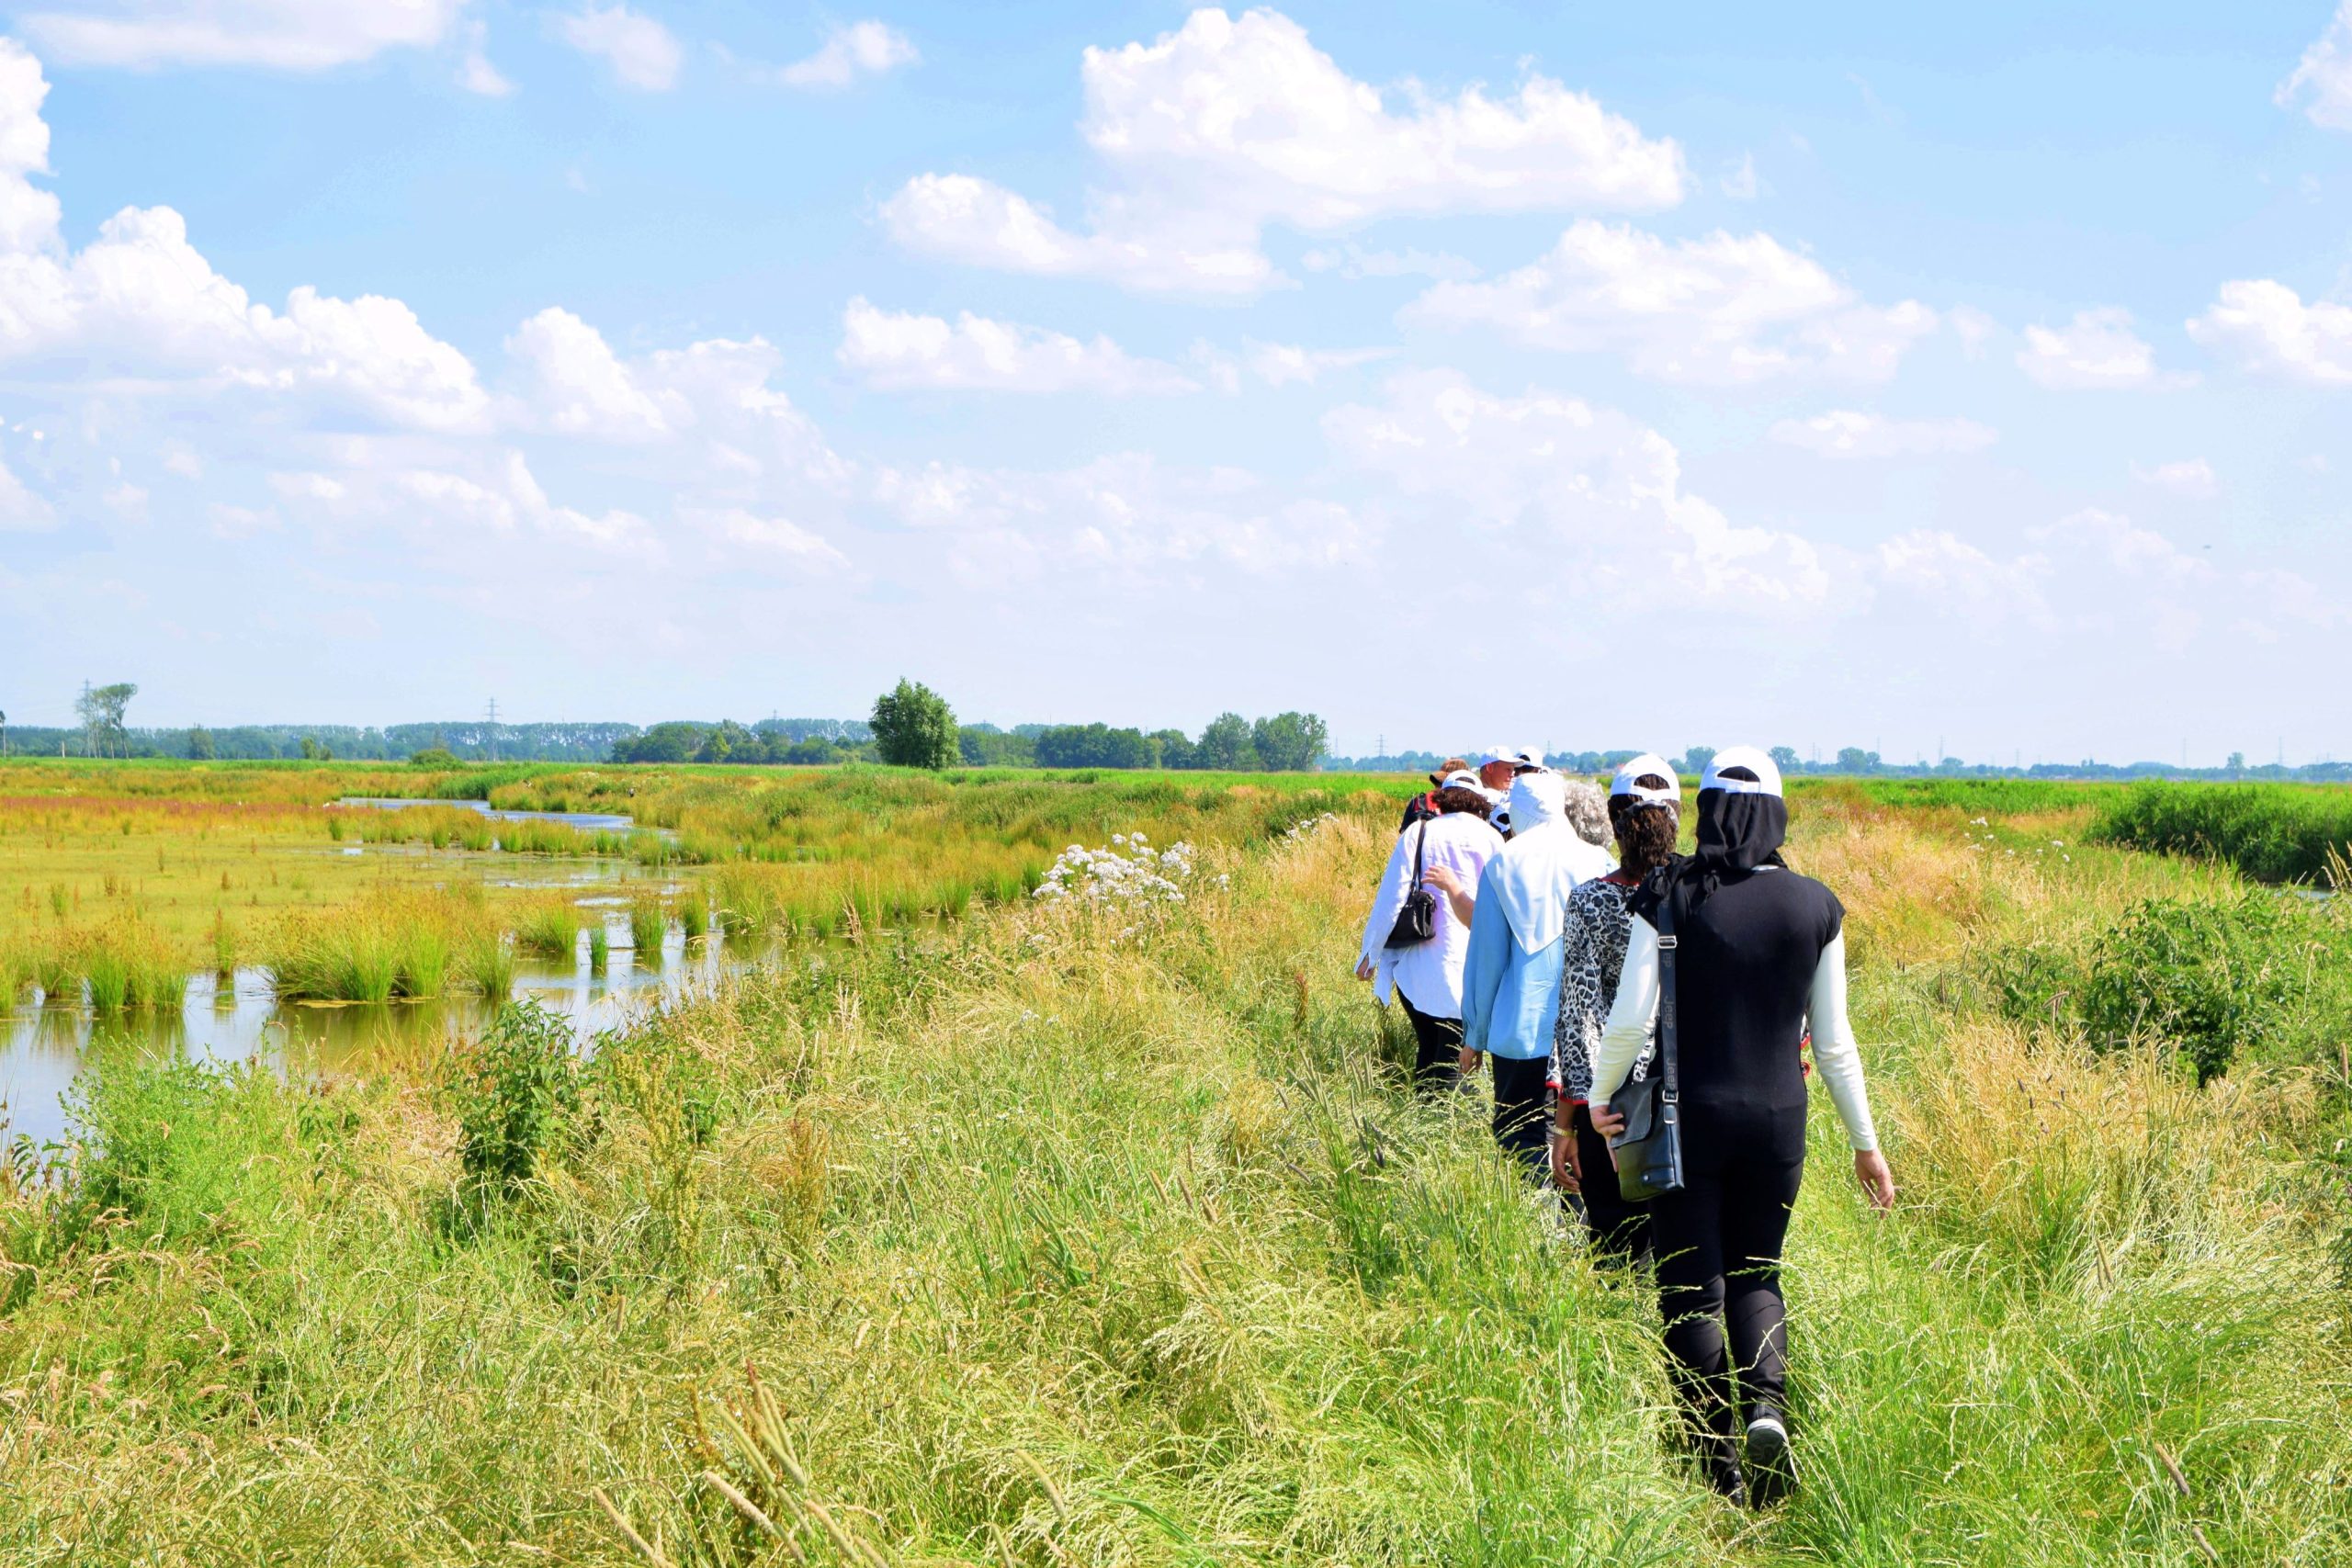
(1420, 842)
(1671, 1090)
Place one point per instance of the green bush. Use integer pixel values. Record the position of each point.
(513, 1089)
(2259, 974)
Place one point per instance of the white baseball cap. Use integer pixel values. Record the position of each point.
(1627, 779)
(1525, 757)
(1462, 778)
(1752, 758)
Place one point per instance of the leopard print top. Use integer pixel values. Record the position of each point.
(1599, 926)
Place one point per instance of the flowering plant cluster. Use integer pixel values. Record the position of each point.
(1307, 826)
(1130, 872)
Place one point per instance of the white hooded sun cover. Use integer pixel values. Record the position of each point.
(1544, 862)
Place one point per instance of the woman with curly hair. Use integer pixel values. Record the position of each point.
(1644, 811)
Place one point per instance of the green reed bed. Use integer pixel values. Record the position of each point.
(2272, 832)
(393, 946)
(122, 964)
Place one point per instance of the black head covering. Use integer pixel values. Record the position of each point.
(1738, 832)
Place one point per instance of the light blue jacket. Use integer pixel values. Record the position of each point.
(1510, 997)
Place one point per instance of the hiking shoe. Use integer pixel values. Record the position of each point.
(1770, 1475)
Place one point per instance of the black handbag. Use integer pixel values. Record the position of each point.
(1649, 1148)
(1417, 921)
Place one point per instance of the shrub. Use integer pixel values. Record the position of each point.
(511, 1090)
(2206, 980)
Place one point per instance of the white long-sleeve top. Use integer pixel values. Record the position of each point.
(1428, 973)
(1834, 1050)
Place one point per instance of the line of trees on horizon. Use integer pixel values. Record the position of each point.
(1290, 741)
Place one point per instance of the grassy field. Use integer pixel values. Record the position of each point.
(1098, 1229)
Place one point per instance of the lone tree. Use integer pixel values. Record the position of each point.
(101, 713)
(915, 727)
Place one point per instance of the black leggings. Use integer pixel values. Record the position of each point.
(1718, 1243)
(1437, 1057)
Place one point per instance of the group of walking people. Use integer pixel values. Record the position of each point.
(1513, 937)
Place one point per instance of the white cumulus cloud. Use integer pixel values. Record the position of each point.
(2267, 328)
(900, 350)
(2191, 477)
(1724, 310)
(577, 384)
(1848, 432)
(2098, 350)
(640, 50)
(1564, 488)
(964, 219)
(286, 34)
(862, 49)
(1226, 124)
(2321, 83)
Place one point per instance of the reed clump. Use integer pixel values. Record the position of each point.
(391, 946)
(548, 930)
(649, 923)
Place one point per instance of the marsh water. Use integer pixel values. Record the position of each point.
(45, 1043)
(44, 1048)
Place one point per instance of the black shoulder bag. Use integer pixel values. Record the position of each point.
(1649, 1148)
(1417, 921)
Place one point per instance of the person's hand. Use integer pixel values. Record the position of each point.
(1442, 878)
(1363, 969)
(1605, 1122)
(1468, 1061)
(1869, 1169)
(1565, 1176)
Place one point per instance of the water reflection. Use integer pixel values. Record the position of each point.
(590, 819)
(44, 1043)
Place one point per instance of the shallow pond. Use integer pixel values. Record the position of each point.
(43, 1047)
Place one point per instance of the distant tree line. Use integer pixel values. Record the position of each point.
(913, 725)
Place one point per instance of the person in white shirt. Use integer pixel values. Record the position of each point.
(1426, 976)
(1759, 950)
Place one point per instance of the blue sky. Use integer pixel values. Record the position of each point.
(1592, 376)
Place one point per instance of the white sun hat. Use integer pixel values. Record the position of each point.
(1627, 779)
(1752, 758)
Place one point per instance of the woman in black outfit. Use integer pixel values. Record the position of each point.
(1760, 950)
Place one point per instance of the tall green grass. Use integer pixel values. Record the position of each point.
(1040, 1245)
(2273, 833)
